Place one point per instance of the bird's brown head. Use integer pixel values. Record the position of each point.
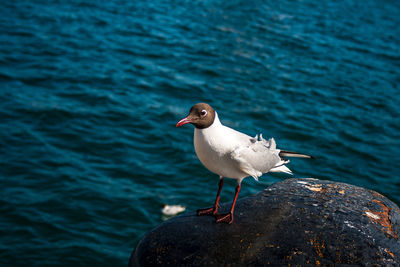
(201, 115)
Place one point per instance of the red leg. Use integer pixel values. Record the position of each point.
(228, 217)
(213, 210)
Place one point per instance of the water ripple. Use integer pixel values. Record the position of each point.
(91, 93)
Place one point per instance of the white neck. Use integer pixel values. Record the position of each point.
(216, 121)
(215, 130)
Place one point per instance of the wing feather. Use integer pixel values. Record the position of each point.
(258, 157)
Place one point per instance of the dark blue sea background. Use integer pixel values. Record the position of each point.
(91, 92)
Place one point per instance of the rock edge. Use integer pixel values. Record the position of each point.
(293, 222)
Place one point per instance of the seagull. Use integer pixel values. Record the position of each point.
(232, 154)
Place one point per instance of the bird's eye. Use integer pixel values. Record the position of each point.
(203, 113)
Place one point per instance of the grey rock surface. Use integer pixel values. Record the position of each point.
(296, 222)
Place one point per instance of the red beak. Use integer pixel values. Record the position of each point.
(183, 122)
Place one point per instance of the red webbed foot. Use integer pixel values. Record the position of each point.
(225, 218)
(209, 211)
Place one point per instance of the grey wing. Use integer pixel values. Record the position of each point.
(258, 157)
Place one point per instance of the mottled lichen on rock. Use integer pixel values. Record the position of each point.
(382, 217)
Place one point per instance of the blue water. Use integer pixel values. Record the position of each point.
(91, 92)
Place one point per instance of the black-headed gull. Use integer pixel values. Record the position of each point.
(232, 154)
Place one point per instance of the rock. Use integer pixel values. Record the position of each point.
(294, 222)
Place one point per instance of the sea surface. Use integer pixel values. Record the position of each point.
(90, 92)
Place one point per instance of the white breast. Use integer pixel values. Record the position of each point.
(214, 146)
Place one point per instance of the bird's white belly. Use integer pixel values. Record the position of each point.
(216, 156)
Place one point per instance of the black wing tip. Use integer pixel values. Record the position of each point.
(295, 154)
(310, 157)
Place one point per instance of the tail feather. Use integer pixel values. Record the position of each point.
(285, 153)
(281, 168)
